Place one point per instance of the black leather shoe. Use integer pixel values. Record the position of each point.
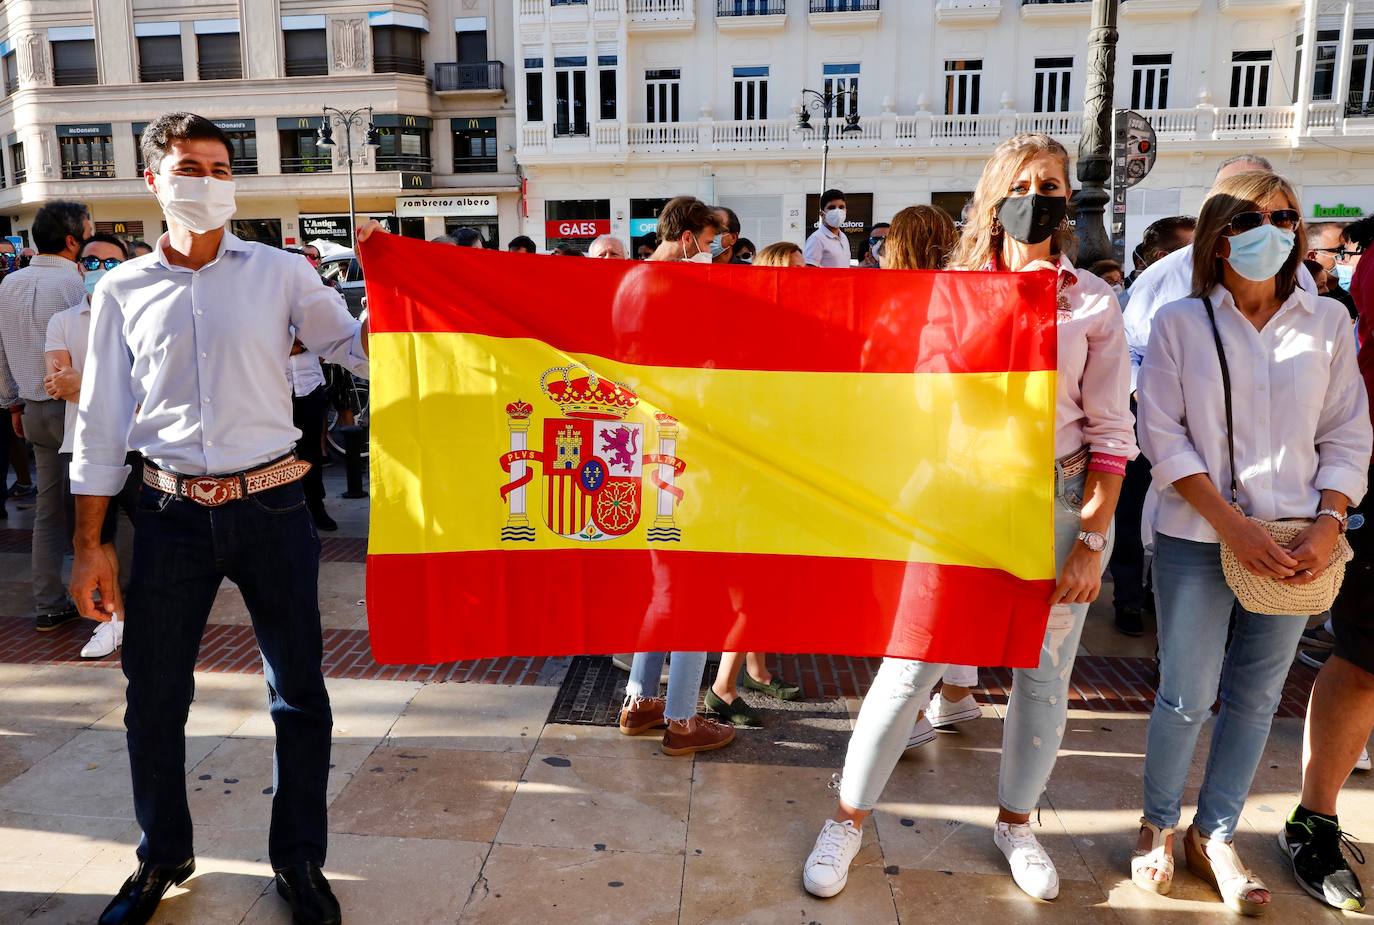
(1130, 621)
(322, 520)
(312, 901)
(47, 622)
(137, 899)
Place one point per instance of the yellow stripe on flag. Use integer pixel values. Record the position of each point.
(856, 465)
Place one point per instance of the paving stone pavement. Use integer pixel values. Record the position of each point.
(454, 801)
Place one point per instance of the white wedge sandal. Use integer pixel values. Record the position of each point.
(1159, 857)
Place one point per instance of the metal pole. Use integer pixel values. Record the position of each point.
(825, 151)
(352, 208)
(1095, 145)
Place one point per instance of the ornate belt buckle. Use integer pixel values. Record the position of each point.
(208, 491)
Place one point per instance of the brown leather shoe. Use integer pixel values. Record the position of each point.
(697, 734)
(641, 715)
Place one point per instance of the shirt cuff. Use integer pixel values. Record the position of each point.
(1348, 482)
(1181, 465)
(1105, 462)
(94, 479)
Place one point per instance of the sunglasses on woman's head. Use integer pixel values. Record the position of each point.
(95, 263)
(1287, 219)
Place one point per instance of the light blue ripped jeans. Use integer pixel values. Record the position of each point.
(684, 680)
(1036, 711)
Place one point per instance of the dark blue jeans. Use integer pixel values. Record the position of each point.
(267, 545)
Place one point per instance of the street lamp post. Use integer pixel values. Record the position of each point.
(348, 119)
(1095, 145)
(827, 104)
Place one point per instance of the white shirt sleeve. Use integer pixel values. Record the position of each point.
(1161, 412)
(106, 409)
(814, 251)
(322, 321)
(1108, 427)
(57, 332)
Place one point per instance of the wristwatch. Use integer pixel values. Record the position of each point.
(1342, 520)
(1094, 541)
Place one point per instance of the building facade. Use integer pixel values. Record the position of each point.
(82, 78)
(621, 103)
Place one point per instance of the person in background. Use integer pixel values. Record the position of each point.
(521, 244)
(872, 243)
(744, 251)
(644, 250)
(467, 237)
(781, 254)
(566, 250)
(1161, 239)
(828, 245)
(607, 247)
(686, 227)
(311, 253)
(139, 248)
(1324, 247)
(31, 296)
(723, 244)
(1297, 445)
(1109, 271)
(13, 453)
(65, 358)
(309, 407)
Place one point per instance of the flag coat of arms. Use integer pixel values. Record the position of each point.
(592, 456)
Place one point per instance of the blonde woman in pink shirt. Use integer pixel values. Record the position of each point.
(1018, 222)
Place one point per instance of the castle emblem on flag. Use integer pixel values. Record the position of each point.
(594, 461)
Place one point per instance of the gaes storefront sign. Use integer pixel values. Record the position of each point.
(465, 206)
(577, 228)
(1339, 210)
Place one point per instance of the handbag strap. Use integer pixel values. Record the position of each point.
(1226, 386)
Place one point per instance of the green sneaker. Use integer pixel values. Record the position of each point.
(1314, 849)
(738, 713)
(776, 688)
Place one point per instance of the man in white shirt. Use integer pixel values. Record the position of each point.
(828, 245)
(185, 366)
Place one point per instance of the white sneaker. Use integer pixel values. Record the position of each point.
(1031, 867)
(1363, 763)
(827, 869)
(106, 638)
(923, 733)
(943, 714)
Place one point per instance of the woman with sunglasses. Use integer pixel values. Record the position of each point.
(1300, 427)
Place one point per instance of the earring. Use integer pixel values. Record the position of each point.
(1064, 223)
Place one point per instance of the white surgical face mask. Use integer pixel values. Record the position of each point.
(835, 217)
(701, 256)
(199, 203)
(93, 277)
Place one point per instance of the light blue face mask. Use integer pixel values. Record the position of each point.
(1259, 253)
(93, 277)
(1344, 274)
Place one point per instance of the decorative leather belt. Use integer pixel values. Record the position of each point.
(212, 491)
(1074, 464)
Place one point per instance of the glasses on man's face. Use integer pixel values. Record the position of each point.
(9, 260)
(95, 263)
(876, 240)
(1287, 219)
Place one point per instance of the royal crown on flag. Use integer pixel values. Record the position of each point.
(581, 393)
(519, 410)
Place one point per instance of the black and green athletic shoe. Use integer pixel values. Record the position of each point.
(1314, 846)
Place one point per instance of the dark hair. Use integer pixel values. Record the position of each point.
(57, 221)
(1101, 267)
(830, 196)
(731, 219)
(1360, 233)
(101, 237)
(172, 127)
(467, 237)
(523, 243)
(1165, 236)
(742, 245)
(876, 225)
(138, 247)
(685, 214)
(566, 250)
(442, 239)
(1314, 267)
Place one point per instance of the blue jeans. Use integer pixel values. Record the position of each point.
(684, 680)
(1194, 605)
(267, 545)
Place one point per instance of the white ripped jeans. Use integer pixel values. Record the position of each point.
(1036, 711)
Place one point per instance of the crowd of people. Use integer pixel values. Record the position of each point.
(1213, 391)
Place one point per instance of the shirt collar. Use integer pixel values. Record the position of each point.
(1300, 298)
(230, 242)
(54, 263)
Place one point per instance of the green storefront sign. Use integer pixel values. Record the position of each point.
(1339, 210)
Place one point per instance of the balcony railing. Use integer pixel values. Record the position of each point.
(1051, 123)
(229, 71)
(415, 163)
(314, 164)
(845, 6)
(482, 75)
(307, 67)
(154, 73)
(570, 129)
(242, 165)
(20, 175)
(397, 64)
(657, 7)
(483, 164)
(74, 76)
(751, 7)
(87, 170)
(662, 134)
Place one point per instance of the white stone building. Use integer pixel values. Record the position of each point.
(621, 103)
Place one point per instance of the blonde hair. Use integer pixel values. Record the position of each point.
(920, 238)
(1242, 192)
(776, 255)
(981, 240)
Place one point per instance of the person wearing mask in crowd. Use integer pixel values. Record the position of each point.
(1250, 401)
(1161, 239)
(1340, 715)
(31, 296)
(781, 254)
(645, 248)
(1324, 247)
(607, 247)
(522, 245)
(138, 248)
(744, 251)
(467, 237)
(65, 358)
(1019, 222)
(185, 367)
(828, 245)
(723, 244)
(686, 227)
(1109, 271)
(872, 244)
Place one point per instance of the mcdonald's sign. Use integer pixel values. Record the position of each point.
(416, 180)
(121, 228)
(401, 120)
(298, 123)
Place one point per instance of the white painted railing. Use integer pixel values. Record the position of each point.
(961, 130)
(532, 7)
(663, 134)
(606, 6)
(1051, 123)
(1322, 115)
(606, 133)
(534, 135)
(656, 7)
(768, 132)
(1172, 121)
(1255, 120)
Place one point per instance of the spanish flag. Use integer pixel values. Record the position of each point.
(592, 456)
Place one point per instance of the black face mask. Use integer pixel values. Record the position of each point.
(1032, 219)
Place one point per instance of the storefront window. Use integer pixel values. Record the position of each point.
(576, 223)
(86, 151)
(299, 151)
(474, 146)
(263, 230)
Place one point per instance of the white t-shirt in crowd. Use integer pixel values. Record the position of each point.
(70, 330)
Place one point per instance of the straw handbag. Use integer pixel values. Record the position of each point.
(1258, 593)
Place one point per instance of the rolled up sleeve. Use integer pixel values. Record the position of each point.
(106, 408)
(1345, 438)
(323, 324)
(1160, 407)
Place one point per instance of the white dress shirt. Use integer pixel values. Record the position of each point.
(1168, 279)
(70, 330)
(304, 373)
(28, 300)
(826, 248)
(185, 366)
(1301, 415)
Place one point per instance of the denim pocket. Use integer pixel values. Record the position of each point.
(151, 501)
(285, 499)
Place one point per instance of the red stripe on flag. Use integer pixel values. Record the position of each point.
(723, 317)
(571, 602)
